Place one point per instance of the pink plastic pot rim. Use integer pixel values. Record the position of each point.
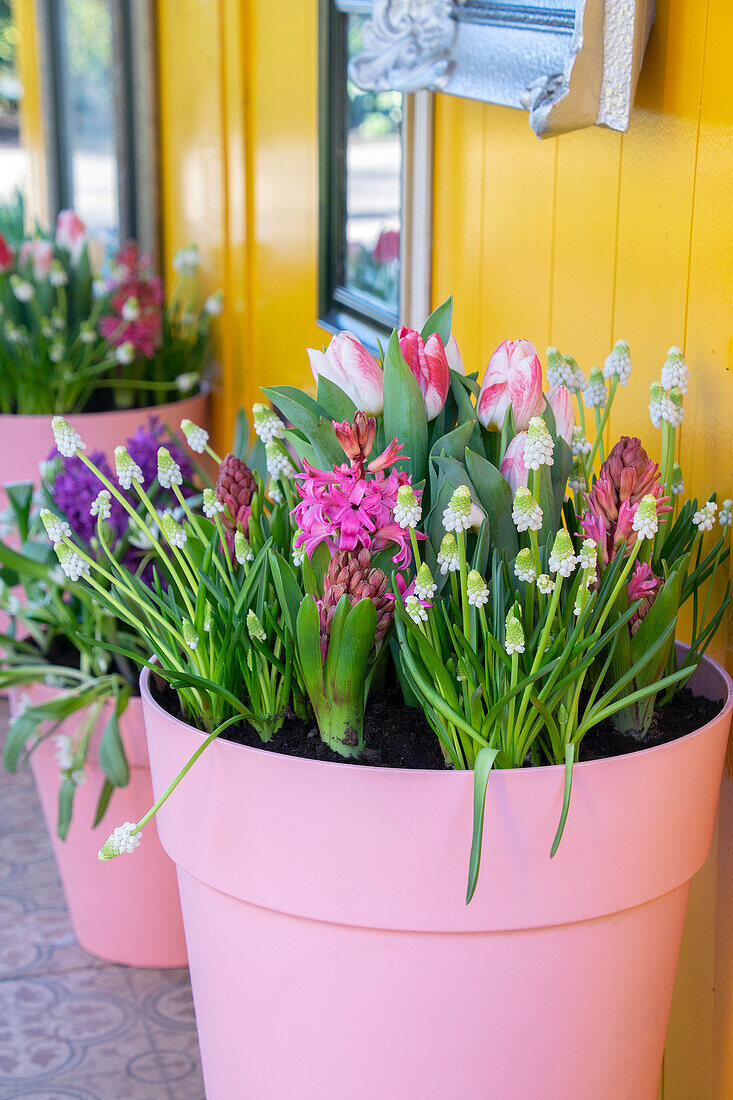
(145, 410)
(715, 666)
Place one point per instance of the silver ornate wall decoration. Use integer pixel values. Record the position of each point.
(570, 64)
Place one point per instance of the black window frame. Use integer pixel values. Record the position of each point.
(340, 306)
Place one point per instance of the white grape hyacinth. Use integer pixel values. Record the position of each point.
(212, 506)
(196, 437)
(407, 511)
(169, 472)
(704, 519)
(449, 559)
(72, 563)
(595, 393)
(526, 512)
(646, 521)
(524, 568)
(127, 469)
(476, 589)
(562, 558)
(101, 505)
(538, 446)
(67, 439)
(122, 841)
(268, 425)
(457, 516)
(57, 528)
(675, 372)
(618, 363)
(415, 610)
(725, 516)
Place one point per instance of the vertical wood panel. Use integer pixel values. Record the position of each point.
(31, 115)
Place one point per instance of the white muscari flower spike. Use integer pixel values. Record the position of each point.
(186, 260)
(101, 505)
(78, 777)
(279, 462)
(576, 481)
(196, 437)
(22, 289)
(9, 602)
(57, 529)
(56, 353)
(646, 521)
(526, 512)
(214, 304)
(172, 529)
(476, 589)
(169, 472)
(131, 309)
(207, 617)
(595, 392)
(524, 568)
(73, 565)
(67, 439)
(64, 754)
(656, 393)
(558, 372)
(545, 584)
(298, 555)
(122, 841)
(242, 549)
(415, 610)
(678, 485)
(127, 469)
(56, 274)
(675, 373)
(457, 516)
(275, 493)
(87, 335)
(725, 516)
(212, 505)
(704, 519)
(187, 381)
(618, 363)
(255, 628)
(407, 510)
(425, 587)
(576, 381)
(579, 444)
(268, 424)
(562, 558)
(588, 556)
(514, 642)
(125, 353)
(448, 557)
(671, 407)
(190, 636)
(538, 446)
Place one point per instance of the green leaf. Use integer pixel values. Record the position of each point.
(311, 419)
(562, 464)
(569, 758)
(337, 404)
(112, 756)
(495, 497)
(308, 634)
(66, 804)
(440, 321)
(240, 443)
(482, 769)
(454, 443)
(289, 592)
(103, 802)
(404, 411)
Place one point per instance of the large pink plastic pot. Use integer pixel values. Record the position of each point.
(332, 953)
(124, 910)
(25, 441)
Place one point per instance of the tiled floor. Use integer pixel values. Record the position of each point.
(71, 1026)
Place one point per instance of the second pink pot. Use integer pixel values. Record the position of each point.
(124, 910)
(332, 953)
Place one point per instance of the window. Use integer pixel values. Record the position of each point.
(366, 145)
(13, 161)
(99, 105)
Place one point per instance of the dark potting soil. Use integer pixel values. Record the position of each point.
(397, 736)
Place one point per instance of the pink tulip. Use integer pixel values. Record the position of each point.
(348, 364)
(558, 398)
(513, 469)
(427, 361)
(40, 255)
(453, 355)
(71, 233)
(513, 377)
(6, 255)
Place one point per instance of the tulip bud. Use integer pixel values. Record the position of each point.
(512, 378)
(70, 234)
(454, 357)
(428, 362)
(558, 398)
(7, 256)
(513, 469)
(348, 364)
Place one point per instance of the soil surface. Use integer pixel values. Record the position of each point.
(397, 736)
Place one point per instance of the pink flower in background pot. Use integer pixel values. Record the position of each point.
(513, 377)
(7, 256)
(513, 469)
(39, 254)
(348, 364)
(559, 400)
(387, 247)
(453, 355)
(71, 233)
(428, 362)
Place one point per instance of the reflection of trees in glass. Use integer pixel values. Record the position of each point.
(88, 33)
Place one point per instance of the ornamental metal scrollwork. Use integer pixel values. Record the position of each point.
(406, 46)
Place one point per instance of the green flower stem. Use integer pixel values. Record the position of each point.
(188, 580)
(621, 581)
(461, 540)
(224, 544)
(601, 422)
(202, 538)
(510, 717)
(581, 409)
(212, 454)
(137, 520)
(541, 646)
(415, 548)
(535, 546)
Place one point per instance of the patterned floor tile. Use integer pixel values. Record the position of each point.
(71, 1026)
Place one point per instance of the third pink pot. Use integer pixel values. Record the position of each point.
(332, 953)
(124, 910)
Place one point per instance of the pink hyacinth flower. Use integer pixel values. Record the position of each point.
(348, 364)
(7, 255)
(513, 469)
(71, 233)
(513, 377)
(559, 400)
(427, 361)
(40, 256)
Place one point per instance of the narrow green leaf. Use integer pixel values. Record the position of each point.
(440, 321)
(495, 497)
(481, 772)
(103, 802)
(112, 756)
(309, 648)
(66, 805)
(569, 759)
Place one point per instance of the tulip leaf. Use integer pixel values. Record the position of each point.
(495, 497)
(454, 443)
(338, 405)
(466, 410)
(440, 321)
(560, 472)
(404, 411)
(481, 772)
(311, 419)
